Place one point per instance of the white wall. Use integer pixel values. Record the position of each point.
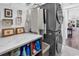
(36, 18)
(64, 26)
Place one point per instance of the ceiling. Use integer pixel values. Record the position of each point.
(34, 5)
(68, 4)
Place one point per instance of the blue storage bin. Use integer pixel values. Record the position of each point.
(25, 50)
(28, 50)
(37, 45)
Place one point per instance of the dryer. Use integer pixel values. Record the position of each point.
(53, 18)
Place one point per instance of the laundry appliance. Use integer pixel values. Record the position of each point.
(53, 18)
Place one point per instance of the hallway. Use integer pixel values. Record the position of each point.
(74, 41)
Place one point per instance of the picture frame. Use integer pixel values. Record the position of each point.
(20, 30)
(18, 20)
(8, 12)
(7, 22)
(19, 13)
(0, 24)
(8, 32)
(77, 23)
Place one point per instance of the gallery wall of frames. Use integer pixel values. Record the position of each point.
(12, 15)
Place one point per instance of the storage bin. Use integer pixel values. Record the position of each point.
(45, 49)
(15, 52)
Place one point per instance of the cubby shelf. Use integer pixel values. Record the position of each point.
(17, 41)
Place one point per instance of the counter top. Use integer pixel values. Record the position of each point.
(12, 42)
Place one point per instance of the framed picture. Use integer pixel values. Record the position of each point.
(7, 22)
(18, 20)
(7, 32)
(20, 30)
(0, 24)
(7, 12)
(19, 13)
(77, 23)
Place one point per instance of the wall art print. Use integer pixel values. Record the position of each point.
(18, 20)
(19, 13)
(7, 22)
(7, 32)
(8, 12)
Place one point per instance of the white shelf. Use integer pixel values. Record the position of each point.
(12, 42)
